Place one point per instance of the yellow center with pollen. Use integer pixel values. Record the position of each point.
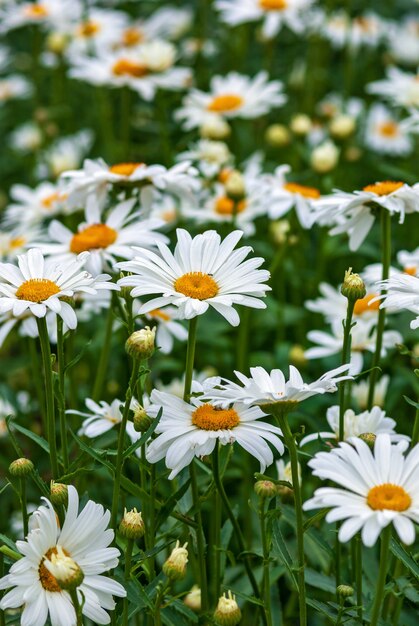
(17, 242)
(363, 305)
(384, 188)
(411, 270)
(124, 169)
(226, 206)
(47, 580)
(302, 190)
(225, 103)
(388, 129)
(37, 290)
(37, 11)
(160, 315)
(51, 198)
(197, 285)
(131, 36)
(127, 67)
(388, 496)
(273, 5)
(88, 29)
(208, 417)
(93, 237)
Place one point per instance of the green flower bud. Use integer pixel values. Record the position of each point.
(369, 439)
(345, 591)
(353, 287)
(58, 493)
(142, 421)
(132, 525)
(175, 566)
(140, 345)
(21, 467)
(265, 489)
(227, 612)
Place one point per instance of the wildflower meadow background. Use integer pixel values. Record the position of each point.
(209, 307)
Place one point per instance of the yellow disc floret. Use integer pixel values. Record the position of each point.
(208, 417)
(93, 237)
(124, 169)
(383, 188)
(302, 190)
(127, 67)
(225, 103)
(363, 305)
(226, 206)
(47, 580)
(388, 496)
(273, 5)
(197, 285)
(37, 290)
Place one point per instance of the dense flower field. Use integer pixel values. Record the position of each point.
(209, 306)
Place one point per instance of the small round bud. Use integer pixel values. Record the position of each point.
(193, 599)
(175, 566)
(297, 355)
(277, 135)
(345, 591)
(265, 489)
(140, 345)
(324, 157)
(227, 612)
(279, 231)
(58, 493)
(21, 467)
(342, 126)
(301, 124)
(132, 525)
(65, 570)
(369, 439)
(142, 421)
(215, 127)
(353, 153)
(57, 42)
(353, 287)
(235, 187)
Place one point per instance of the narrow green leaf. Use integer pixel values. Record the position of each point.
(403, 556)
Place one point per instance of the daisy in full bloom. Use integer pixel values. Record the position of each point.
(274, 13)
(26, 138)
(104, 238)
(385, 134)
(400, 88)
(210, 157)
(100, 30)
(202, 272)
(333, 305)
(164, 23)
(230, 96)
(377, 489)
(45, 13)
(14, 242)
(267, 389)
(374, 421)
(402, 293)
(80, 546)
(403, 40)
(14, 86)
(37, 286)
(102, 418)
(188, 430)
(32, 206)
(409, 261)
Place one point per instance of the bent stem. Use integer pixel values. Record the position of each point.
(382, 573)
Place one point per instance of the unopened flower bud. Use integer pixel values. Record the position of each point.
(65, 570)
(369, 439)
(297, 355)
(301, 124)
(342, 126)
(353, 153)
(353, 287)
(58, 493)
(142, 421)
(140, 345)
(215, 127)
(193, 599)
(132, 525)
(345, 591)
(235, 187)
(227, 612)
(21, 467)
(57, 42)
(175, 566)
(279, 231)
(277, 135)
(266, 489)
(324, 157)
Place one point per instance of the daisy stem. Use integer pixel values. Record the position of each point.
(23, 504)
(358, 575)
(298, 504)
(190, 357)
(76, 604)
(266, 584)
(382, 573)
(37, 378)
(61, 395)
(386, 259)
(104, 357)
(415, 433)
(121, 440)
(49, 393)
(127, 572)
(346, 355)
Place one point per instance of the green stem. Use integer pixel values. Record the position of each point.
(415, 433)
(49, 393)
(266, 584)
(121, 440)
(243, 340)
(37, 378)
(216, 546)
(358, 576)
(77, 608)
(126, 122)
(190, 357)
(127, 571)
(382, 573)
(104, 356)
(346, 355)
(61, 395)
(386, 259)
(2, 613)
(23, 504)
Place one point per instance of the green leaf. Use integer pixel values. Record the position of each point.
(178, 614)
(42, 443)
(322, 607)
(404, 557)
(145, 437)
(170, 504)
(279, 549)
(320, 581)
(411, 402)
(78, 356)
(98, 455)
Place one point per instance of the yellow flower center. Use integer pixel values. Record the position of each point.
(226, 206)
(208, 417)
(411, 270)
(88, 29)
(196, 285)
(93, 237)
(224, 175)
(302, 190)
(362, 305)
(273, 5)
(50, 200)
(131, 37)
(225, 103)
(384, 188)
(388, 129)
(17, 242)
(126, 67)
(124, 169)
(37, 11)
(388, 496)
(47, 580)
(159, 314)
(37, 290)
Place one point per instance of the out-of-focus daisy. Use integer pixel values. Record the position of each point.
(372, 273)
(360, 391)
(402, 293)
(14, 86)
(168, 328)
(188, 430)
(374, 421)
(334, 104)
(284, 471)
(333, 305)
(176, 386)
(366, 30)
(336, 28)
(409, 261)
(102, 418)
(403, 40)
(84, 539)
(13, 243)
(32, 206)
(400, 88)
(208, 156)
(106, 238)
(166, 22)
(100, 30)
(376, 489)
(37, 286)
(202, 272)
(274, 13)
(6, 409)
(46, 13)
(230, 96)
(26, 138)
(384, 134)
(363, 339)
(67, 153)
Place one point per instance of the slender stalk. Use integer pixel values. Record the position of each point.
(346, 355)
(216, 574)
(382, 573)
(121, 440)
(23, 504)
(2, 613)
(358, 576)
(190, 357)
(415, 433)
(77, 607)
(126, 122)
(61, 395)
(243, 340)
(266, 583)
(37, 379)
(386, 259)
(49, 394)
(104, 356)
(127, 571)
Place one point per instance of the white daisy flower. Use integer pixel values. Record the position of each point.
(333, 305)
(385, 134)
(67, 153)
(104, 238)
(26, 138)
(374, 421)
(47, 13)
(85, 539)
(377, 489)
(164, 23)
(202, 272)
(210, 157)
(409, 261)
(366, 30)
(403, 40)
(402, 293)
(400, 88)
(33, 206)
(274, 13)
(372, 273)
(189, 430)
(13, 243)
(102, 418)
(168, 328)
(230, 96)
(100, 30)
(271, 388)
(36, 286)
(360, 392)
(336, 28)
(14, 86)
